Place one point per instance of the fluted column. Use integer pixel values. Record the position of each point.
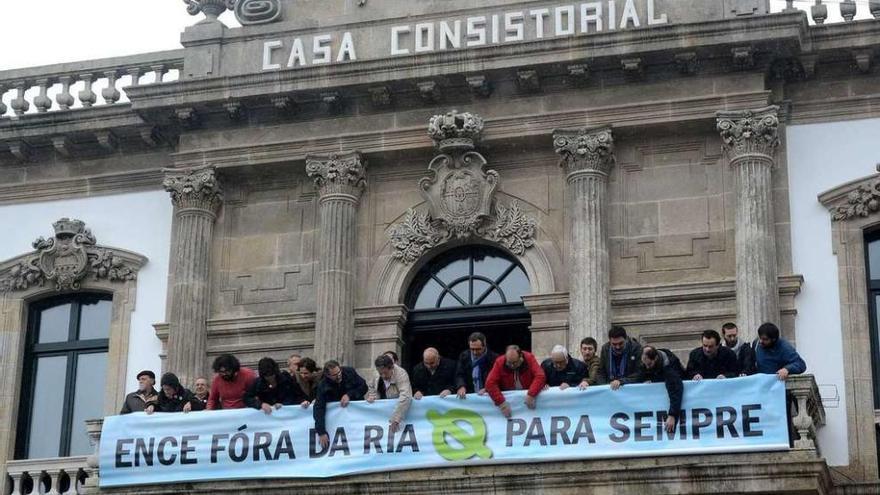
(197, 197)
(587, 156)
(750, 139)
(340, 182)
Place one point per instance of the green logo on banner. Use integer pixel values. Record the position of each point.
(447, 425)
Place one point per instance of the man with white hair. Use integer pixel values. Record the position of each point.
(562, 371)
(435, 375)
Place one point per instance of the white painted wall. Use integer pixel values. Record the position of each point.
(820, 157)
(138, 222)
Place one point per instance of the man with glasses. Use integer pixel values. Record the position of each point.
(340, 384)
(230, 383)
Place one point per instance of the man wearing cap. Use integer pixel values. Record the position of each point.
(146, 392)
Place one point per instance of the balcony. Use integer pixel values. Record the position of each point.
(831, 11)
(799, 470)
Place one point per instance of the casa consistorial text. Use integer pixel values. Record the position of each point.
(494, 27)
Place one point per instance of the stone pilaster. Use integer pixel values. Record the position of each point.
(587, 156)
(197, 197)
(750, 139)
(340, 182)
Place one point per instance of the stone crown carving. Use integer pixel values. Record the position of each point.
(338, 173)
(196, 188)
(67, 258)
(455, 131)
(460, 195)
(585, 149)
(861, 202)
(749, 132)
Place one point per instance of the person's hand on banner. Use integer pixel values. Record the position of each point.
(370, 399)
(698, 377)
(344, 400)
(325, 440)
(530, 401)
(149, 409)
(462, 393)
(279, 405)
(563, 386)
(266, 408)
(505, 409)
(393, 426)
(615, 384)
(187, 407)
(782, 374)
(721, 377)
(482, 391)
(418, 395)
(584, 385)
(305, 404)
(445, 393)
(670, 424)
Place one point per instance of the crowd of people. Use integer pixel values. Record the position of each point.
(621, 360)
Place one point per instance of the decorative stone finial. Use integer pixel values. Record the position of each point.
(585, 149)
(338, 173)
(250, 12)
(211, 8)
(455, 131)
(749, 132)
(194, 188)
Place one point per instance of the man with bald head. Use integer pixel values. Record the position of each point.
(515, 370)
(435, 375)
(562, 371)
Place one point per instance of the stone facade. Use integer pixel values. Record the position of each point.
(642, 185)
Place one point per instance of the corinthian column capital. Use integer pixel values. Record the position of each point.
(585, 150)
(194, 188)
(338, 175)
(749, 133)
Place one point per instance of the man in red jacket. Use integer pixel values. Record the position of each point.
(515, 370)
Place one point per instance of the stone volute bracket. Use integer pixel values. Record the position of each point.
(460, 194)
(66, 259)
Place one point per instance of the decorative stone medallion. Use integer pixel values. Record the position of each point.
(460, 195)
(67, 258)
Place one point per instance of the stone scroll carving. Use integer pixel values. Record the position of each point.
(460, 195)
(247, 12)
(859, 203)
(67, 258)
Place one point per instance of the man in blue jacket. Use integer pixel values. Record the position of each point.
(776, 355)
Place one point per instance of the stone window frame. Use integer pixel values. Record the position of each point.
(14, 310)
(854, 211)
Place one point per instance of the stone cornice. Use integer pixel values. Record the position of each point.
(772, 29)
(701, 108)
(146, 180)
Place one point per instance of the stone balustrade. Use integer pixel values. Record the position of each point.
(61, 87)
(822, 11)
(808, 411)
(61, 476)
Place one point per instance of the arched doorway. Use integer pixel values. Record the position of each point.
(467, 289)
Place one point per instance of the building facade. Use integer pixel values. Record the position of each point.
(344, 177)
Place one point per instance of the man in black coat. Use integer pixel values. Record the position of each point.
(273, 388)
(173, 397)
(619, 358)
(711, 360)
(435, 375)
(136, 401)
(661, 365)
(473, 367)
(340, 384)
(562, 371)
(745, 353)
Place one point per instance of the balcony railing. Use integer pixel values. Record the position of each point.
(832, 11)
(61, 476)
(62, 87)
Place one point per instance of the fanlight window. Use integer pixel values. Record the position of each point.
(469, 276)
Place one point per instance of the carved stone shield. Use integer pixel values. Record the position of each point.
(459, 193)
